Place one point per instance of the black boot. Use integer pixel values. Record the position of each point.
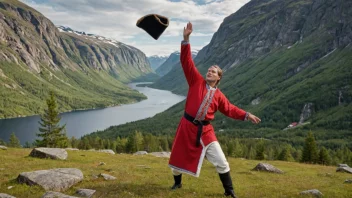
(177, 184)
(227, 184)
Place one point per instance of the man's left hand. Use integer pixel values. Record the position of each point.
(254, 119)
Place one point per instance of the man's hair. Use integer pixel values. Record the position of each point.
(219, 73)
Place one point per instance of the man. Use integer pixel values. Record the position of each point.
(195, 137)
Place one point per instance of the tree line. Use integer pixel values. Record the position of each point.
(52, 135)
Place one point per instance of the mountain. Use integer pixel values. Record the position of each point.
(84, 70)
(172, 61)
(155, 61)
(285, 61)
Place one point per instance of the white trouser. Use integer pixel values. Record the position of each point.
(216, 156)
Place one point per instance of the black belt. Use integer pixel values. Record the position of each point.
(198, 123)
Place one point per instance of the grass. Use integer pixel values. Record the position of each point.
(154, 178)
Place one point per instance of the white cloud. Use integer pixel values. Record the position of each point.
(117, 19)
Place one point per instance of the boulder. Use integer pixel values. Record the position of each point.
(161, 154)
(53, 153)
(3, 195)
(85, 192)
(140, 153)
(348, 181)
(107, 151)
(54, 179)
(107, 177)
(267, 168)
(3, 147)
(314, 192)
(344, 169)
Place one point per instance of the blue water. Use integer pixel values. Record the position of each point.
(79, 123)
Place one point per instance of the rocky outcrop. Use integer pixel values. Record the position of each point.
(156, 61)
(306, 112)
(273, 24)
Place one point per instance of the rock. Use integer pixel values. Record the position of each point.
(107, 177)
(9, 187)
(267, 168)
(314, 192)
(107, 151)
(85, 192)
(161, 154)
(3, 147)
(3, 195)
(52, 194)
(53, 153)
(102, 163)
(348, 181)
(344, 169)
(140, 153)
(54, 179)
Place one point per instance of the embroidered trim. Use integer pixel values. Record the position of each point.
(203, 109)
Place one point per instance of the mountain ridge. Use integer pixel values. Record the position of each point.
(85, 72)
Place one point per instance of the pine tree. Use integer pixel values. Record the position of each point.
(27, 145)
(238, 149)
(310, 151)
(51, 133)
(324, 157)
(14, 141)
(285, 154)
(260, 150)
(2, 142)
(135, 142)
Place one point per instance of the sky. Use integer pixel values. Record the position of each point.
(116, 19)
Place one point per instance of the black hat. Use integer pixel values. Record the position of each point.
(153, 24)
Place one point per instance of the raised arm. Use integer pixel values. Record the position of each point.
(191, 73)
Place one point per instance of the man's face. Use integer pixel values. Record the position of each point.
(212, 74)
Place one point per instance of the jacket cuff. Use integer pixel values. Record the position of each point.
(246, 116)
(184, 42)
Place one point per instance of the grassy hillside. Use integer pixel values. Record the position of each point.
(149, 176)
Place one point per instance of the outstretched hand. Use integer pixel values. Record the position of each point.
(187, 31)
(254, 119)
